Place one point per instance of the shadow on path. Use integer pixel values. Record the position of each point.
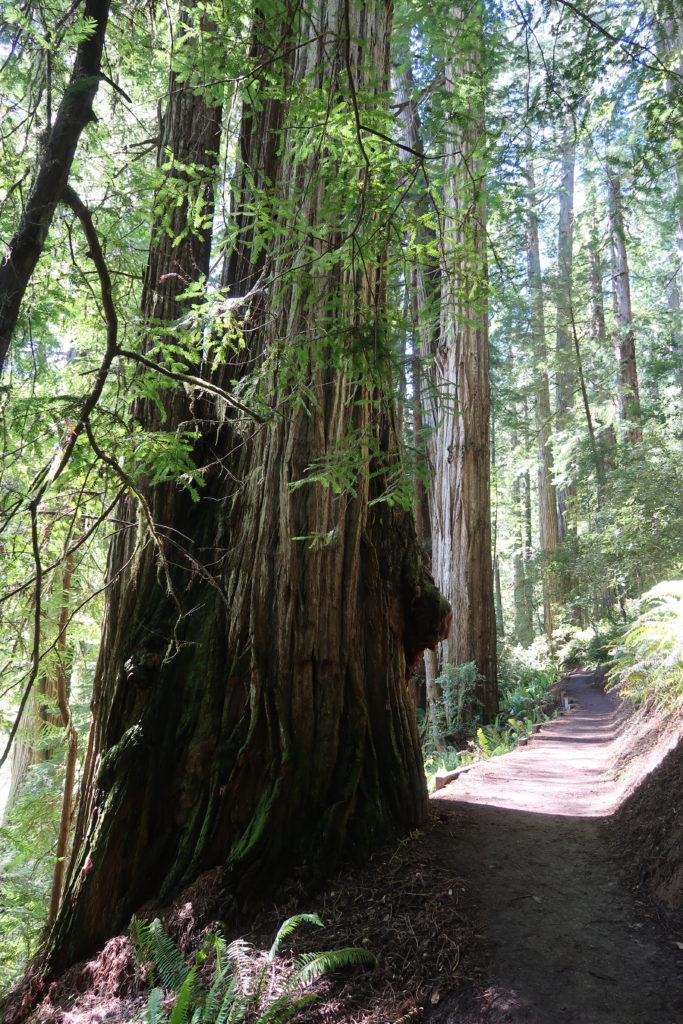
(568, 944)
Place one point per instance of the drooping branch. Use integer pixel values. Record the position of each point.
(74, 113)
(49, 475)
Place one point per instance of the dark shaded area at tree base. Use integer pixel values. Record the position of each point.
(648, 835)
(488, 915)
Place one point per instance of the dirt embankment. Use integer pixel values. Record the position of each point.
(568, 940)
(521, 902)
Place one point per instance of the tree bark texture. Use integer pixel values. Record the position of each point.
(605, 434)
(522, 584)
(564, 349)
(547, 494)
(625, 349)
(461, 517)
(257, 715)
(74, 113)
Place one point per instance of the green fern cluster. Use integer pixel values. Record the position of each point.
(243, 988)
(649, 659)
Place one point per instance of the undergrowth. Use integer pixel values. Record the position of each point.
(231, 983)
(525, 678)
(648, 661)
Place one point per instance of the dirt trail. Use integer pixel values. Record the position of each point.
(568, 943)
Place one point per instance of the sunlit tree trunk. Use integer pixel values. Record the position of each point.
(547, 494)
(461, 519)
(522, 587)
(423, 303)
(669, 37)
(251, 707)
(625, 349)
(605, 437)
(564, 347)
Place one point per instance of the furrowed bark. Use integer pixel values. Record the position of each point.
(250, 706)
(547, 494)
(625, 346)
(461, 515)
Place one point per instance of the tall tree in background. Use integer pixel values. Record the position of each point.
(461, 515)
(625, 347)
(250, 702)
(564, 331)
(547, 493)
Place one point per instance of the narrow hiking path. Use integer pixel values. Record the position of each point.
(568, 944)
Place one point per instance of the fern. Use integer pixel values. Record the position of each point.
(288, 926)
(240, 988)
(310, 966)
(154, 945)
(154, 1010)
(649, 660)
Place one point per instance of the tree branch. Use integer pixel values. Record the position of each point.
(75, 112)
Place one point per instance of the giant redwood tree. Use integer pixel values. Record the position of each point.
(461, 506)
(250, 704)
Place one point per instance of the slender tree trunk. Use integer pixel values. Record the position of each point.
(524, 625)
(461, 520)
(75, 111)
(547, 495)
(62, 680)
(605, 434)
(251, 707)
(627, 371)
(500, 620)
(564, 349)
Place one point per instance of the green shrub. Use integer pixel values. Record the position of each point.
(649, 658)
(588, 647)
(27, 843)
(525, 676)
(457, 712)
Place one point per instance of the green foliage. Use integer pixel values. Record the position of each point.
(524, 677)
(524, 681)
(457, 710)
(588, 647)
(232, 983)
(649, 658)
(443, 761)
(27, 840)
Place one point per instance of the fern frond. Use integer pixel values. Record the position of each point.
(153, 1009)
(153, 944)
(310, 966)
(180, 1014)
(284, 1008)
(288, 926)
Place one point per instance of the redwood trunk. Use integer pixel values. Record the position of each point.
(625, 349)
(461, 518)
(547, 494)
(258, 716)
(565, 373)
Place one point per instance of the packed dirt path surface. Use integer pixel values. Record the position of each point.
(568, 943)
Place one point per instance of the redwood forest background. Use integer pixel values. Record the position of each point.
(331, 334)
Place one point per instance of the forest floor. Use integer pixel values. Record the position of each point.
(528, 897)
